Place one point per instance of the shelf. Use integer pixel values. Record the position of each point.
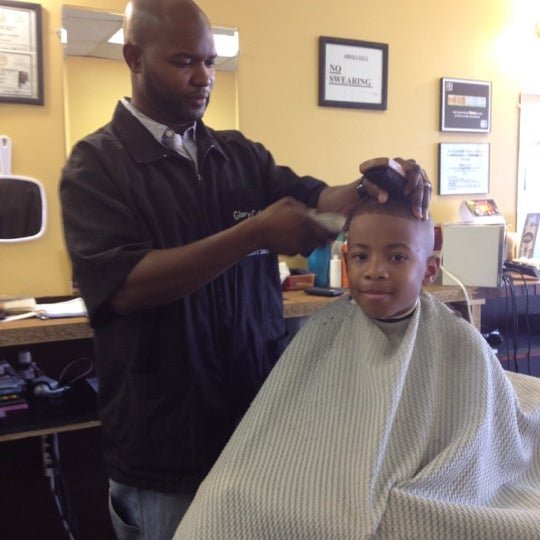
(29, 331)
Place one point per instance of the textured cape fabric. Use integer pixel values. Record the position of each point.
(353, 436)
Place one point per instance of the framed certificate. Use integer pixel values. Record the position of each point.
(463, 168)
(352, 73)
(21, 57)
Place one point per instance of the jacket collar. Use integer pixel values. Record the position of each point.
(144, 148)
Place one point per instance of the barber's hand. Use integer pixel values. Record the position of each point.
(287, 227)
(418, 187)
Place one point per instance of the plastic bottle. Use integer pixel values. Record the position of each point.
(319, 263)
(336, 246)
(335, 272)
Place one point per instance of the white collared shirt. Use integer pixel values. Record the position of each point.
(185, 144)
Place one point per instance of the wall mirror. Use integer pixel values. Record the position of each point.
(528, 188)
(95, 75)
(23, 208)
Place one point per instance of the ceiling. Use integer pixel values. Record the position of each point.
(88, 33)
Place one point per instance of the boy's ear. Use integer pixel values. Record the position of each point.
(432, 269)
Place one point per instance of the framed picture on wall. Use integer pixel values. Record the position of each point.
(352, 73)
(463, 168)
(21, 56)
(465, 105)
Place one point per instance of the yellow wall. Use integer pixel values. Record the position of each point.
(92, 88)
(277, 91)
(94, 85)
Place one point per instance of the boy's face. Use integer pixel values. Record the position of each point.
(389, 259)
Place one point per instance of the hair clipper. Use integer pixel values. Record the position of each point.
(386, 174)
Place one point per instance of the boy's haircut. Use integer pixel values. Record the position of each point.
(394, 207)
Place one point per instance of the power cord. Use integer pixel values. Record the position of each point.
(509, 278)
(511, 316)
(463, 288)
(71, 365)
(38, 380)
(57, 482)
(527, 325)
(506, 315)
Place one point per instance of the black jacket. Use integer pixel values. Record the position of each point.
(174, 380)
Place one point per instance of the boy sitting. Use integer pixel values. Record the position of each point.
(387, 417)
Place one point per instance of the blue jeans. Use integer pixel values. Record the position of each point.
(142, 514)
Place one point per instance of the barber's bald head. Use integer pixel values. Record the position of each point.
(170, 50)
(143, 19)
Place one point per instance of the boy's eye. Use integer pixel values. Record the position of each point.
(359, 256)
(398, 257)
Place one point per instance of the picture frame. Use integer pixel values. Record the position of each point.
(353, 73)
(463, 168)
(21, 53)
(465, 105)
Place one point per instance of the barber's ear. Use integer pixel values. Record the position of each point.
(132, 56)
(432, 270)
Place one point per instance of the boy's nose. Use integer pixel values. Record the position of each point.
(376, 269)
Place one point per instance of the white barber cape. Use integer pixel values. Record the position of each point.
(357, 434)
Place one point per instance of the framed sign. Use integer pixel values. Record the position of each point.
(352, 73)
(463, 168)
(465, 105)
(21, 57)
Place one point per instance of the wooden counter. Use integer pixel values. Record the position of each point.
(29, 331)
(295, 304)
(300, 304)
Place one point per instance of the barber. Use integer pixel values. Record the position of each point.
(173, 231)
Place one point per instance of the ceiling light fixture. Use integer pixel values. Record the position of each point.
(118, 37)
(226, 40)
